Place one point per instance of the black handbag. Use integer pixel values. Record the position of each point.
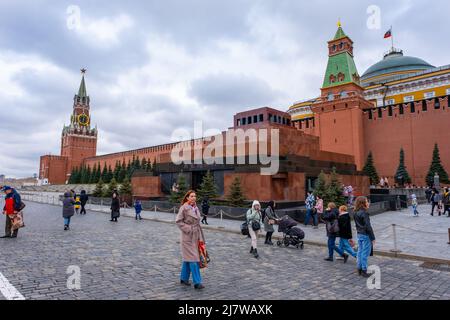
(22, 206)
(244, 229)
(256, 226)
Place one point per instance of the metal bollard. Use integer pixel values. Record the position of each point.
(448, 236)
(394, 230)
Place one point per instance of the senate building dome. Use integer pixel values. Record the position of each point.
(394, 64)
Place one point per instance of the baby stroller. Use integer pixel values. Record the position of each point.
(292, 235)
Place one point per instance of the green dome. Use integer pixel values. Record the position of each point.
(394, 62)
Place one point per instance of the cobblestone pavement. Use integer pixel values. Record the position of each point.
(140, 260)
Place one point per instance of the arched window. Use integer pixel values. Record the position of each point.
(330, 96)
(332, 79)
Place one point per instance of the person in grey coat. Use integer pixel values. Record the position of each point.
(270, 219)
(68, 209)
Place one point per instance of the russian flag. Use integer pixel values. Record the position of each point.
(388, 34)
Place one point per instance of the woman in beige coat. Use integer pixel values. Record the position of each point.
(188, 220)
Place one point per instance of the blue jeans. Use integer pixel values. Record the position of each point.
(364, 248)
(186, 270)
(344, 245)
(414, 210)
(138, 215)
(332, 247)
(67, 221)
(309, 215)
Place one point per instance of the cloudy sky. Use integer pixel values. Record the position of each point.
(155, 66)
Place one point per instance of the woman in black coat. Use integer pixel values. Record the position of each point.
(205, 210)
(115, 207)
(330, 216)
(345, 231)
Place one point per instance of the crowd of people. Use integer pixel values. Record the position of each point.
(190, 217)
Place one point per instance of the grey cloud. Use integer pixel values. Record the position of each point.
(232, 91)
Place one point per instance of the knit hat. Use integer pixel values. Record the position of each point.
(6, 188)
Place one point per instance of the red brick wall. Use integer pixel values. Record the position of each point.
(77, 148)
(53, 168)
(146, 186)
(416, 133)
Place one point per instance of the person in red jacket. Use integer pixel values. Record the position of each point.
(12, 207)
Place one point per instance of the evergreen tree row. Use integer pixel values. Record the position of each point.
(121, 172)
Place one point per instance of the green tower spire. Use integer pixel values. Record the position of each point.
(341, 68)
(82, 93)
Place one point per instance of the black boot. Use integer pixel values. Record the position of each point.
(359, 272)
(251, 250)
(255, 253)
(364, 274)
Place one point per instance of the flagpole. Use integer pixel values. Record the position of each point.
(392, 39)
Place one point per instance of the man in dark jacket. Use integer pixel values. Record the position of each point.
(11, 208)
(83, 199)
(330, 216)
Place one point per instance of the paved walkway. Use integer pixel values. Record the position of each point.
(424, 236)
(141, 260)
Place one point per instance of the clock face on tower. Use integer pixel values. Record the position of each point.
(83, 120)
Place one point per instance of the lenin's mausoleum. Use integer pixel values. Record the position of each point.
(399, 102)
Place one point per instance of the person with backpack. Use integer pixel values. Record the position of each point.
(345, 231)
(138, 209)
(270, 218)
(330, 216)
(12, 208)
(310, 203)
(253, 216)
(68, 209)
(366, 237)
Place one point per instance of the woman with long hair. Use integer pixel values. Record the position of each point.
(253, 217)
(270, 218)
(188, 220)
(366, 237)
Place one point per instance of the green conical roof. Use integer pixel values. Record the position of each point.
(339, 34)
(82, 91)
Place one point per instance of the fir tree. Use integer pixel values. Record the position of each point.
(99, 173)
(335, 191)
(177, 196)
(84, 176)
(320, 188)
(126, 188)
(436, 167)
(144, 164)
(88, 175)
(93, 174)
(236, 197)
(370, 170)
(99, 189)
(104, 175)
(122, 174)
(155, 168)
(112, 186)
(77, 176)
(208, 189)
(117, 170)
(73, 176)
(110, 174)
(402, 175)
